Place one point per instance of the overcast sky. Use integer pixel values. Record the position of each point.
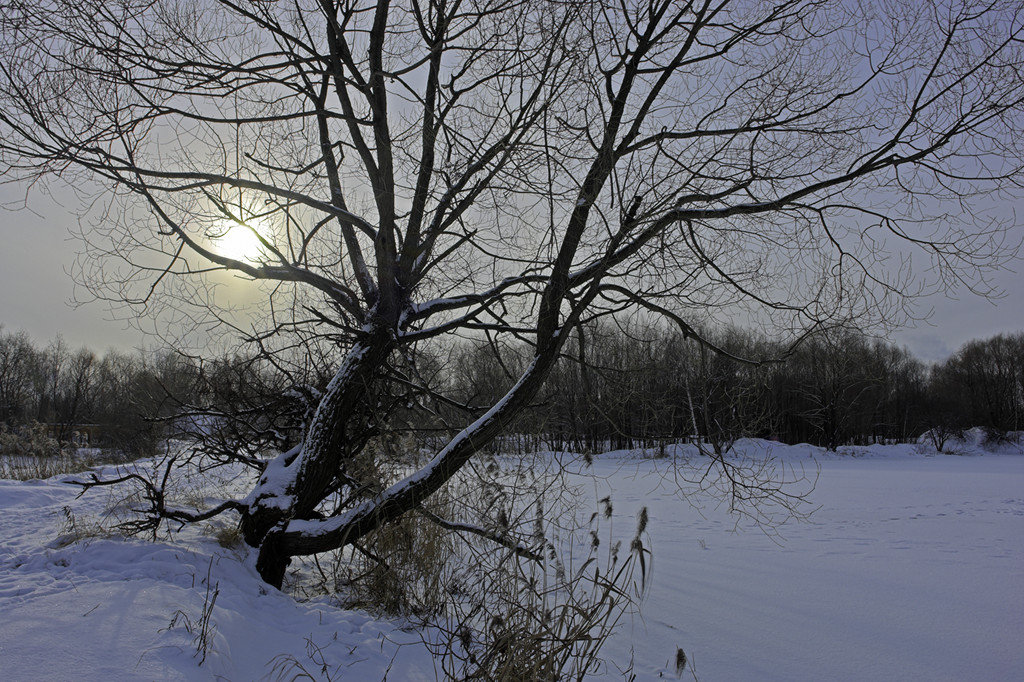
(37, 291)
(38, 251)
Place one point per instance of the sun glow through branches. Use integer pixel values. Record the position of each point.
(238, 241)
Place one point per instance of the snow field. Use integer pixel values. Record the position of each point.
(912, 568)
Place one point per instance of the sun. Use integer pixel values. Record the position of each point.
(237, 241)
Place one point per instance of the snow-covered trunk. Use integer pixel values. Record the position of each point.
(312, 536)
(295, 483)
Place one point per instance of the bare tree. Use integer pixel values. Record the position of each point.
(17, 357)
(983, 381)
(408, 172)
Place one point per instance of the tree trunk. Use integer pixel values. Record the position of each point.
(295, 483)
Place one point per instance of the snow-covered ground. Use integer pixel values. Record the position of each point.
(912, 568)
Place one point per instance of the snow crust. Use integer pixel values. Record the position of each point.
(911, 569)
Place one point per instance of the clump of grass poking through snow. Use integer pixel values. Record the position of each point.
(228, 537)
(202, 627)
(637, 546)
(680, 662)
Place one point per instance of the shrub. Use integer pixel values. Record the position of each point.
(30, 440)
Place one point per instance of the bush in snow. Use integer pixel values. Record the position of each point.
(31, 440)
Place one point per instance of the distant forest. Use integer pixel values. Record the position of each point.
(615, 387)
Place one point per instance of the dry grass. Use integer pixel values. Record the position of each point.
(520, 620)
(228, 537)
(401, 568)
(31, 467)
(30, 453)
(75, 529)
(489, 613)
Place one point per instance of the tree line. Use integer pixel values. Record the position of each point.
(620, 387)
(132, 401)
(81, 397)
(614, 387)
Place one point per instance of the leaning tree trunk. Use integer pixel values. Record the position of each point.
(295, 483)
(304, 535)
(312, 536)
